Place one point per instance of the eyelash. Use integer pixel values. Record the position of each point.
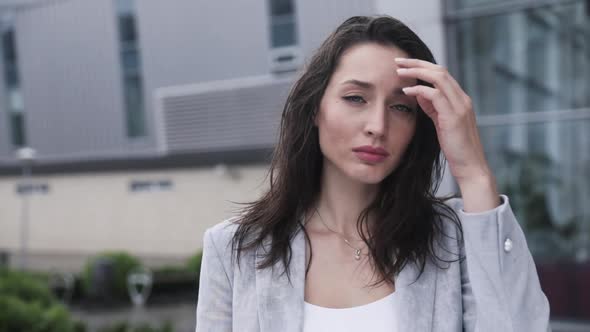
(350, 99)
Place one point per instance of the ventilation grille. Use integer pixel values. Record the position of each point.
(218, 116)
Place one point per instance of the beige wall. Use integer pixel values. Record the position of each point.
(84, 214)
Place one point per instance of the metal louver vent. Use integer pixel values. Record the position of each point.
(222, 115)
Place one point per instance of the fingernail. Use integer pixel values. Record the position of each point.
(402, 70)
(399, 59)
(406, 89)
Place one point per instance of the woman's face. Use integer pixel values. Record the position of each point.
(365, 121)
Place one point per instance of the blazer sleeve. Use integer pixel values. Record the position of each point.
(214, 305)
(500, 286)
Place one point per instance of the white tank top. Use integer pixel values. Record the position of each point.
(376, 316)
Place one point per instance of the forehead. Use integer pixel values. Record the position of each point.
(372, 49)
(370, 62)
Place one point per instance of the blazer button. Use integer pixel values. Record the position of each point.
(507, 245)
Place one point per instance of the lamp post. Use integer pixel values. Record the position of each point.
(26, 156)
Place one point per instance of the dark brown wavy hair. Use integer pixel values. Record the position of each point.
(408, 213)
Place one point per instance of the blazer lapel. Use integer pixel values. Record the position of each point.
(280, 304)
(414, 305)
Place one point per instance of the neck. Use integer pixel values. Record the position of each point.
(341, 200)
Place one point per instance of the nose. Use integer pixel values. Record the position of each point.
(376, 123)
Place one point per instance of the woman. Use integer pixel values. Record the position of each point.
(349, 235)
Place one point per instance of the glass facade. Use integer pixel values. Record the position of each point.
(476, 3)
(14, 99)
(131, 68)
(528, 73)
(282, 23)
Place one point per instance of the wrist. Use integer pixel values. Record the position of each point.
(479, 193)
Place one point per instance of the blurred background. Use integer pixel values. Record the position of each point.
(128, 127)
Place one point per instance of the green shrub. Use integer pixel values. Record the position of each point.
(27, 305)
(123, 264)
(26, 287)
(17, 315)
(56, 318)
(194, 262)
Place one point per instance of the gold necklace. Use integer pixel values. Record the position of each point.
(357, 251)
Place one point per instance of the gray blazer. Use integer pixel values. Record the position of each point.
(495, 288)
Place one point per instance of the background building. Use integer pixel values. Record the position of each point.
(148, 117)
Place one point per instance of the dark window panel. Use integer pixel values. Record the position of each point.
(281, 7)
(17, 124)
(282, 23)
(134, 105)
(127, 28)
(283, 34)
(131, 69)
(8, 46)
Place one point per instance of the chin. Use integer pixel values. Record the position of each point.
(369, 176)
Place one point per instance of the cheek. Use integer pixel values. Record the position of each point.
(409, 134)
(333, 137)
(335, 126)
(404, 130)
(401, 137)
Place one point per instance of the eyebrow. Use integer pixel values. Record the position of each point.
(371, 86)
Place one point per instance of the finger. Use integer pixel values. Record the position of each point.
(439, 101)
(430, 111)
(441, 80)
(412, 62)
(418, 63)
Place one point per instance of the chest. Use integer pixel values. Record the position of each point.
(266, 300)
(336, 279)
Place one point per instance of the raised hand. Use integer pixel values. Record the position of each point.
(451, 110)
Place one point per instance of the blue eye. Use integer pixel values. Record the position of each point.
(405, 109)
(360, 100)
(354, 99)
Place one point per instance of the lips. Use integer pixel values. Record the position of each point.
(370, 154)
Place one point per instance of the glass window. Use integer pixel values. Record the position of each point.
(534, 56)
(282, 23)
(543, 182)
(8, 45)
(281, 7)
(127, 31)
(130, 58)
(17, 125)
(134, 105)
(528, 73)
(125, 6)
(131, 68)
(14, 101)
(462, 4)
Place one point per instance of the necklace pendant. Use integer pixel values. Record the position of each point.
(357, 254)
